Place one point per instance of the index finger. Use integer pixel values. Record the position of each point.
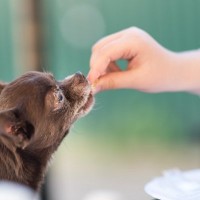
(100, 59)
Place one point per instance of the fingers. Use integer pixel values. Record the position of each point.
(93, 75)
(102, 57)
(112, 67)
(114, 80)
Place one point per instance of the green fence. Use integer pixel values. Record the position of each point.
(71, 27)
(6, 57)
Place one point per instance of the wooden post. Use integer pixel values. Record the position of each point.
(27, 35)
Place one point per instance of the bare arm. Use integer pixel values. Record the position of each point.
(150, 66)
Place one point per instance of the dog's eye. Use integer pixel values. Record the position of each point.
(58, 100)
(60, 97)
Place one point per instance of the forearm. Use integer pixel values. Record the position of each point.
(186, 71)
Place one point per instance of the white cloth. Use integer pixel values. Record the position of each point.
(15, 191)
(175, 185)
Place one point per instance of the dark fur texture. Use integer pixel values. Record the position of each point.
(36, 113)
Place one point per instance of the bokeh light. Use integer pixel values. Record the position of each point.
(82, 24)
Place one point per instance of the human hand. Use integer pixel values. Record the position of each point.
(149, 65)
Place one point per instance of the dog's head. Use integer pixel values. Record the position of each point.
(36, 111)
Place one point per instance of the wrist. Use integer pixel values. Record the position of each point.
(184, 71)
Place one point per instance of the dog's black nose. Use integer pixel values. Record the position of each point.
(79, 76)
(79, 73)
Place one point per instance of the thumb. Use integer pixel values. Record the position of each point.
(92, 76)
(114, 80)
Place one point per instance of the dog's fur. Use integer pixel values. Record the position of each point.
(36, 112)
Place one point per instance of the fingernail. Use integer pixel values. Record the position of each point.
(95, 87)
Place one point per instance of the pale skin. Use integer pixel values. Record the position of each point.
(150, 66)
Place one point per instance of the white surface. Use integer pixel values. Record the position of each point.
(175, 185)
(103, 195)
(14, 191)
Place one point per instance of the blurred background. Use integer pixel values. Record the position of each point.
(130, 137)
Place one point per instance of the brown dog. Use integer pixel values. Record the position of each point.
(36, 113)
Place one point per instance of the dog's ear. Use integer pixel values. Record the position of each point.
(2, 85)
(13, 126)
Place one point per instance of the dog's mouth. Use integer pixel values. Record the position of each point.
(88, 104)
